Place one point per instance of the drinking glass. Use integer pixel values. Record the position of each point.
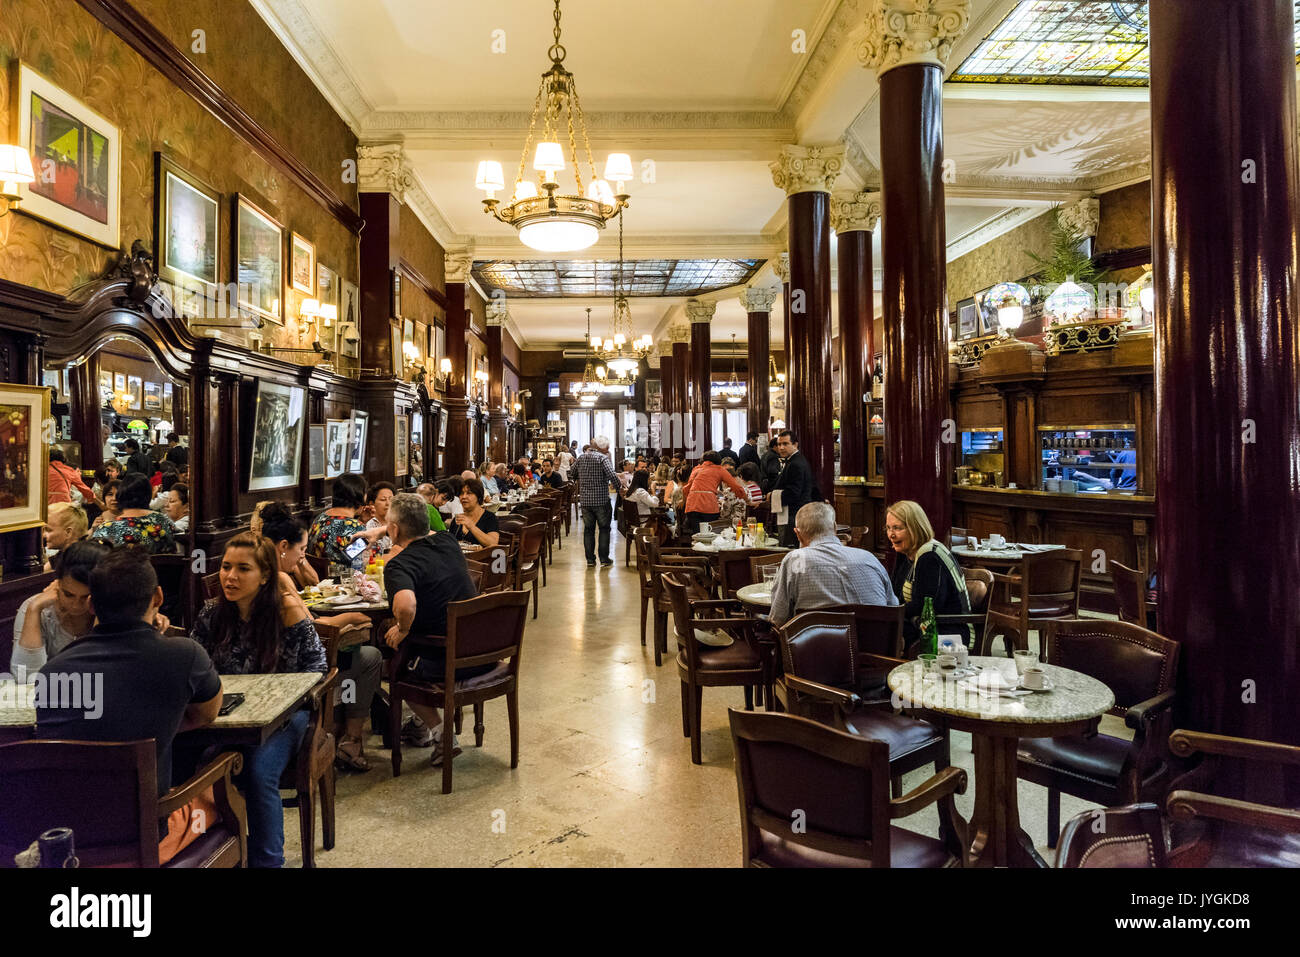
(929, 661)
(769, 575)
(1024, 659)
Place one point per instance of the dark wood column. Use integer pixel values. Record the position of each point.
(456, 402)
(666, 394)
(854, 217)
(807, 174)
(379, 254)
(758, 305)
(498, 417)
(782, 267)
(86, 403)
(681, 371)
(700, 433)
(1224, 194)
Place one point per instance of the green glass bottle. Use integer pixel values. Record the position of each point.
(929, 629)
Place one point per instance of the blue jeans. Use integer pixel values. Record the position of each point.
(593, 515)
(263, 766)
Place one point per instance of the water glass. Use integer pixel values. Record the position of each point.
(769, 575)
(1024, 659)
(929, 661)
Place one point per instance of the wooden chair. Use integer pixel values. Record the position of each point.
(1139, 667)
(735, 570)
(647, 586)
(475, 575)
(757, 562)
(531, 565)
(958, 536)
(979, 588)
(321, 565)
(211, 586)
(493, 567)
(660, 562)
(310, 773)
(1047, 589)
(173, 572)
(484, 630)
(701, 666)
(1129, 837)
(1131, 596)
(879, 631)
(537, 515)
(632, 521)
(107, 793)
(556, 506)
(790, 769)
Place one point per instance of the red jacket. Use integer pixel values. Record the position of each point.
(62, 479)
(702, 488)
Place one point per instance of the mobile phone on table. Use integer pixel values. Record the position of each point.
(356, 548)
(229, 702)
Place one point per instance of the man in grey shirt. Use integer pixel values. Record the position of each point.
(823, 572)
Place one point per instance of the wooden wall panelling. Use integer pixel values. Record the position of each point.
(378, 259)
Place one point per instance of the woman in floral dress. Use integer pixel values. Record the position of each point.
(136, 523)
(335, 528)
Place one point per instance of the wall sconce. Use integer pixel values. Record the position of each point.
(328, 315)
(1011, 300)
(411, 355)
(15, 169)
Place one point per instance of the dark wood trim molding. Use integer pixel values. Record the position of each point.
(163, 55)
(1130, 258)
(417, 277)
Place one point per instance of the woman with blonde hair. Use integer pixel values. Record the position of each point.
(65, 523)
(923, 568)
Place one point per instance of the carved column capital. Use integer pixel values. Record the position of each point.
(781, 266)
(700, 310)
(855, 211)
(665, 348)
(457, 265)
(680, 333)
(1081, 218)
(807, 169)
(498, 312)
(758, 298)
(903, 32)
(382, 168)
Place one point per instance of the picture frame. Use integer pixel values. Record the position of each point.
(152, 397)
(396, 303)
(350, 312)
(76, 155)
(167, 398)
(442, 432)
(258, 260)
(968, 319)
(187, 229)
(357, 437)
(135, 385)
(315, 452)
(395, 343)
(336, 446)
(24, 421)
(408, 331)
(401, 445)
(105, 382)
(278, 423)
(302, 264)
(119, 381)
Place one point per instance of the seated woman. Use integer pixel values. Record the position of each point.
(178, 507)
(378, 497)
(137, 524)
(51, 620)
(522, 477)
(254, 627)
(169, 476)
(924, 568)
(475, 524)
(749, 476)
(110, 471)
(361, 664)
(640, 493)
(335, 528)
(110, 510)
(65, 523)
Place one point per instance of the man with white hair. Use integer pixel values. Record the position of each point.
(825, 573)
(594, 475)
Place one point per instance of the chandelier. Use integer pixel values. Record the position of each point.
(592, 385)
(620, 352)
(733, 391)
(557, 222)
(775, 380)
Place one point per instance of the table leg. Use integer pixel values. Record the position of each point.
(997, 840)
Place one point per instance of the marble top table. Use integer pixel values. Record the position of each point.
(721, 544)
(1009, 554)
(269, 700)
(758, 595)
(996, 723)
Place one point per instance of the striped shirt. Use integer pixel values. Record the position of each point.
(595, 472)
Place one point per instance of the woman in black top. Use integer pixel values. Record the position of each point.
(475, 525)
(923, 568)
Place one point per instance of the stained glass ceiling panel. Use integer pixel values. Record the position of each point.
(587, 278)
(1089, 42)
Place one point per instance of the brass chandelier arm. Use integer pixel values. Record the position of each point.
(576, 104)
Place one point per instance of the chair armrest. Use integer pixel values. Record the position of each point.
(947, 782)
(715, 603)
(885, 660)
(719, 622)
(1185, 805)
(1147, 711)
(1001, 579)
(845, 700)
(1186, 743)
(322, 689)
(224, 766)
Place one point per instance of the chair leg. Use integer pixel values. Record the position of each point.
(307, 824)
(895, 785)
(645, 601)
(478, 724)
(686, 710)
(448, 746)
(327, 808)
(543, 573)
(661, 636)
(512, 711)
(395, 729)
(1053, 816)
(697, 717)
(749, 697)
(459, 719)
(534, 597)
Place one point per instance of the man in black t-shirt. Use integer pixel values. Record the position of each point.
(427, 574)
(124, 681)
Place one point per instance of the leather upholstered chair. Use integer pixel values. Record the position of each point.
(1132, 836)
(1046, 588)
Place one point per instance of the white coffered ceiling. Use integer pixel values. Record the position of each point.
(707, 92)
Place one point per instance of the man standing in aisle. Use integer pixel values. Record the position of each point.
(749, 451)
(594, 475)
(795, 483)
(728, 454)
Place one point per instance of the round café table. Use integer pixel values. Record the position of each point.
(756, 596)
(996, 723)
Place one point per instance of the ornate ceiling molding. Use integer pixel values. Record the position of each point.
(991, 230)
(458, 264)
(293, 25)
(858, 211)
(1082, 218)
(759, 298)
(807, 169)
(904, 32)
(498, 312)
(845, 19)
(382, 168)
(664, 348)
(680, 332)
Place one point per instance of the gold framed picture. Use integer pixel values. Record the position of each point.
(26, 431)
(302, 264)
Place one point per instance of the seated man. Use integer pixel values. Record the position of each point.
(134, 682)
(625, 477)
(550, 476)
(825, 573)
(428, 573)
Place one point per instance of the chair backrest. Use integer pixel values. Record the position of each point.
(532, 542)
(958, 536)
(758, 561)
(1132, 836)
(879, 628)
(493, 566)
(510, 521)
(106, 792)
(631, 513)
(475, 574)
(211, 586)
(979, 585)
(820, 646)
(321, 565)
(1134, 663)
(721, 525)
(171, 571)
(537, 516)
(1130, 593)
(735, 570)
(486, 629)
(1053, 575)
(790, 768)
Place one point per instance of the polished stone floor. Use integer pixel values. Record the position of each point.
(605, 776)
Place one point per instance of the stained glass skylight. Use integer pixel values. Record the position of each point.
(1084, 42)
(578, 278)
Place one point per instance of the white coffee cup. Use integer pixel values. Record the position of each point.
(997, 541)
(1034, 678)
(947, 661)
(1051, 485)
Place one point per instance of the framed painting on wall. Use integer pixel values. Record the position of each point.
(302, 264)
(395, 343)
(152, 397)
(259, 261)
(167, 398)
(349, 312)
(397, 295)
(23, 411)
(968, 319)
(357, 436)
(277, 436)
(336, 447)
(105, 384)
(315, 451)
(76, 156)
(401, 445)
(442, 430)
(135, 386)
(119, 381)
(186, 227)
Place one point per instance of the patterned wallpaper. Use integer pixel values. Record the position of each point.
(999, 260)
(69, 47)
(1125, 218)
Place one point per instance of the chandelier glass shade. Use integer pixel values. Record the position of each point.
(550, 217)
(592, 374)
(621, 352)
(733, 390)
(775, 380)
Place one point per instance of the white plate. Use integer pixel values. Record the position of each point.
(1048, 685)
(337, 602)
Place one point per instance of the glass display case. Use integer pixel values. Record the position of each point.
(1095, 458)
(981, 458)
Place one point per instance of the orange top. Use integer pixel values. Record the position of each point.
(702, 488)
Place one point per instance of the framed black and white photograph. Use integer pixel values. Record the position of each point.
(395, 343)
(442, 432)
(336, 446)
(315, 451)
(349, 312)
(277, 436)
(357, 441)
(153, 397)
(135, 386)
(401, 445)
(187, 226)
(259, 261)
(968, 319)
(302, 265)
(397, 295)
(167, 398)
